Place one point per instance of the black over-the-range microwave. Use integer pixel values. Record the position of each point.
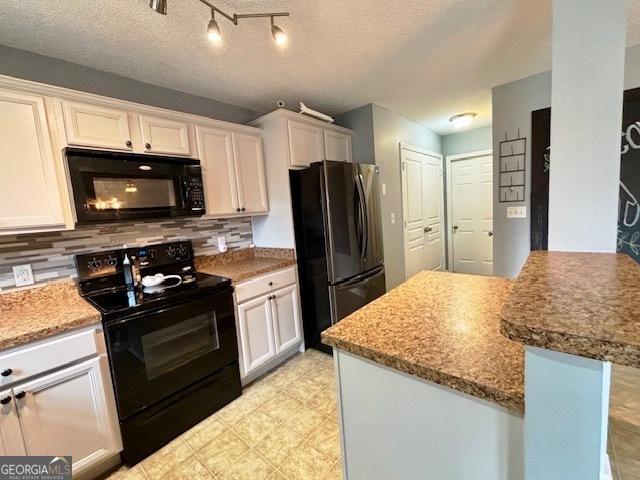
(111, 186)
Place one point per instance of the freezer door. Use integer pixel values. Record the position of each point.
(349, 296)
(343, 218)
(367, 178)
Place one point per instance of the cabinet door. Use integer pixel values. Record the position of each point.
(305, 144)
(67, 413)
(252, 185)
(337, 146)
(286, 318)
(161, 135)
(10, 434)
(256, 333)
(215, 150)
(94, 126)
(30, 195)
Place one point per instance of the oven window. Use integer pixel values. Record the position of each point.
(132, 193)
(171, 347)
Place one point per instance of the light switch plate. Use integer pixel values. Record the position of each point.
(383, 188)
(23, 275)
(517, 212)
(392, 217)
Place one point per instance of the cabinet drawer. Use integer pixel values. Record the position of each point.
(265, 284)
(28, 361)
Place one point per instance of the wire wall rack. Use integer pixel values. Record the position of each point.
(512, 168)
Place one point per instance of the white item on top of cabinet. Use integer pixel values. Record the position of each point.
(95, 126)
(68, 411)
(305, 143)
(269, 322)
(164, 136)
(337, 146)
(27, 163)
(232, 171)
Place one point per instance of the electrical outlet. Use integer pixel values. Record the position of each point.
(383, 188)
(517, 212)
(393, 217)
(23, 275)
(222, 244)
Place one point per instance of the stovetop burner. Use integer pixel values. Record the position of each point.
(101, 279)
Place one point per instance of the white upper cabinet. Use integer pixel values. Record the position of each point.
(164, 136)
(31, 198)
(94, 126)
(252, 185)
(306, 144)
(337, 146)
(215, 150)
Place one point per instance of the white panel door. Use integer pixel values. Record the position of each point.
(93, 126)
(31, 198)
(337, 146)
(255, 324)
(286, 318)
(215, 150)
(472, 215)
(422, 212)
(252, 183)
(67, 413)
(11, 442)
(306, 143)
(161, 135)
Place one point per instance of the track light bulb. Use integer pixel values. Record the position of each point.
(159, 6)
(213, 31)
(278, 35)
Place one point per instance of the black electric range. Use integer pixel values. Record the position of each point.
(172, 348)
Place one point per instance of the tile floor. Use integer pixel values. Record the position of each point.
(284, 426)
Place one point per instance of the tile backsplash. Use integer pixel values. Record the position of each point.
(51, 254)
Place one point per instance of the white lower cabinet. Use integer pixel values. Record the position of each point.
(269, 322)
(70, 411)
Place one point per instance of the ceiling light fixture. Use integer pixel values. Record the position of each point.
(462, 120)
(213, 30)
(159, 6)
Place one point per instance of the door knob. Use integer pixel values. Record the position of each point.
(6, 372)
(490, 234)
(428, 229)
(455, 227)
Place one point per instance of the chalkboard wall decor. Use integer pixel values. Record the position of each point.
(628, 206)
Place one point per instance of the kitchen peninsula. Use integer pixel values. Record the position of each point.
(428, 386)
(431, 387)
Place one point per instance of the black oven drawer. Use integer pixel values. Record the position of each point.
(156, 354)
(146, 432)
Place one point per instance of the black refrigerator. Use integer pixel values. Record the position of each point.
(336, 211)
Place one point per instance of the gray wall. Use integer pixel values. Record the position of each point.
(512, 106)
(37, 68)
(469, 141)
(377, 134)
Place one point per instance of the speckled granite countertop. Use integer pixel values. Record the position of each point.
(37, 313)
(245, 263)
(445, 328)
(585, 304)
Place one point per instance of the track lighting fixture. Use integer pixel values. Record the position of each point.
(159, 6)
(213, 30)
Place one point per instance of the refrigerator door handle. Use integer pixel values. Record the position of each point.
(362, 216)
(361, 278)
(365, 221)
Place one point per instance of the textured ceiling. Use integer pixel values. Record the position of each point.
(424, 59)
